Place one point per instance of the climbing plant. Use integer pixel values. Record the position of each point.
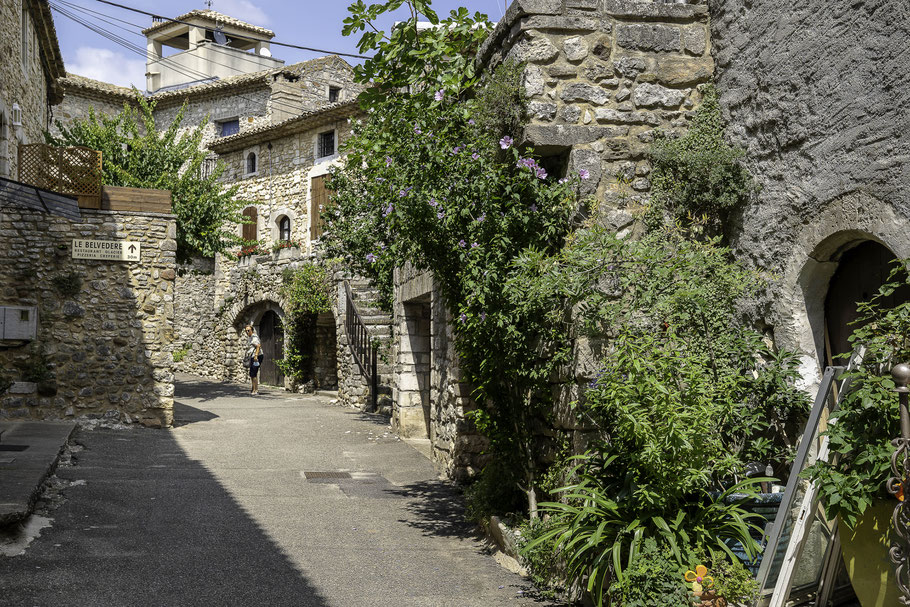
(306, 291)
(139, 154)
(435, 178)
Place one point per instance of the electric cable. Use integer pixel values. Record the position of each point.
(241, 37)
(188, 72)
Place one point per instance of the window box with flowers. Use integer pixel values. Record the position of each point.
(285, 249)
(249, 251)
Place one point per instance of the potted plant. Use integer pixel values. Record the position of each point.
(852, 482)
(250, 249)
(286, 248)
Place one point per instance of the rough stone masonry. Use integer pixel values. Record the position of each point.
(104, 328)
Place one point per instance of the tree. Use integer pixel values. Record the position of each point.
(137, 155)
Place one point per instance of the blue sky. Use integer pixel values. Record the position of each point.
(313, 23)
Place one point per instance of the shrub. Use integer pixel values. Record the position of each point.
(68, 285)
(652, 578)
(179, 355)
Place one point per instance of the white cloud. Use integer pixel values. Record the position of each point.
(108, 66)
(241, 9)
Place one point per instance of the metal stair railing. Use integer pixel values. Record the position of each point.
(360, 342)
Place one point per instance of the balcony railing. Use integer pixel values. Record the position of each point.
(75, 171)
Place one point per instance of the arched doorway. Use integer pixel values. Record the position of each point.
(271, 334)
(861, 271)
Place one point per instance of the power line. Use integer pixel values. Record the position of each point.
(238, 36)
(185, 71)
(214, 47)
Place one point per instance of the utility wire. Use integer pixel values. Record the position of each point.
(185, 71)
(238, 36)
(214, 47)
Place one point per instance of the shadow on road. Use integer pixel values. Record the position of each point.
(147, 525)
(438, 509)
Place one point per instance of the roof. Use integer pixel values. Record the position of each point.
(214, 16)
(51, 57)
(297, 124)
(240, 81)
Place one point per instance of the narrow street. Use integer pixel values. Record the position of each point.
(225, 509)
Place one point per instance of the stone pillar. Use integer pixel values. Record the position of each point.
(412, 407)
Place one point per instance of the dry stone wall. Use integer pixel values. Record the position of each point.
(602, 76)
(105, 328)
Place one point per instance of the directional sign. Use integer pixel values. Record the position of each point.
(109, 250)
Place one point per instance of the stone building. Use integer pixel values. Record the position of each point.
(29, 76)
(280, 170)
(601, 79)
(277, 128)
(81, 335)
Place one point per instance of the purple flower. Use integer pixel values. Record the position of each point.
(527, 163)
(533, 208)
(564, 180)
(506, 142)
(440, 215)
(380, 179)
(440, 95)
(371, 258)
(475, 156)
(433, 202)
(417, 130)
(457, 149)
(405, 192)
(462, 243)
(474, 245)
(471, 122)
(388, 210)
(464, 317)
(541, 173)
(483, 316)
(481, 218)
(388, 160)
(583, 174)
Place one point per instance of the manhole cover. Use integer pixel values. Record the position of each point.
(314, 475)
(13, 447)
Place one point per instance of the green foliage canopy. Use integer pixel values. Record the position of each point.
(137, 154)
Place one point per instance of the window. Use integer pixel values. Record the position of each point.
(284, 228)
(334, 94)
(23, 315)
(229, 127)
(207, 168)
(25, 36)
(251, 163)
(326, 145)
(319, 199)
(250, 218)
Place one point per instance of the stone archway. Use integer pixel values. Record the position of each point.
(266, 316)
(799, 309)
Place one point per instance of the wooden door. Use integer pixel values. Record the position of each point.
(271, 334)
(861, 272)
(319, 200)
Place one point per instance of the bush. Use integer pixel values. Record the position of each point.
(653, 578)
(179, 355)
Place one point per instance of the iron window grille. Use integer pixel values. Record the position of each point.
(326, 144)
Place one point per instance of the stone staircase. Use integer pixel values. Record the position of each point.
(353, 387)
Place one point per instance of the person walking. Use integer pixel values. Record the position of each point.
(255, 356)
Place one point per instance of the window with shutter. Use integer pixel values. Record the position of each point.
(318, 202)
(250, 216)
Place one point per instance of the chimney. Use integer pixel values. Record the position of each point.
(286, 100)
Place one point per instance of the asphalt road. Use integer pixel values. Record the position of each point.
(221, 511)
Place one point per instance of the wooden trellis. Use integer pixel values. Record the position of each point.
(75, 171)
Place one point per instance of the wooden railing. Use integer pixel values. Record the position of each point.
(361, 343)
(75, 171)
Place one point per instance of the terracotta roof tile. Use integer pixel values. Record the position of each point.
(214, 16)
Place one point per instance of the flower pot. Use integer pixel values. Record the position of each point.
(865, 551)
(709, 598)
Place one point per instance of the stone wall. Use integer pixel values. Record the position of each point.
(104, 346)
(196, 320)
(601, 77)
(818, 96)
(429, 396)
